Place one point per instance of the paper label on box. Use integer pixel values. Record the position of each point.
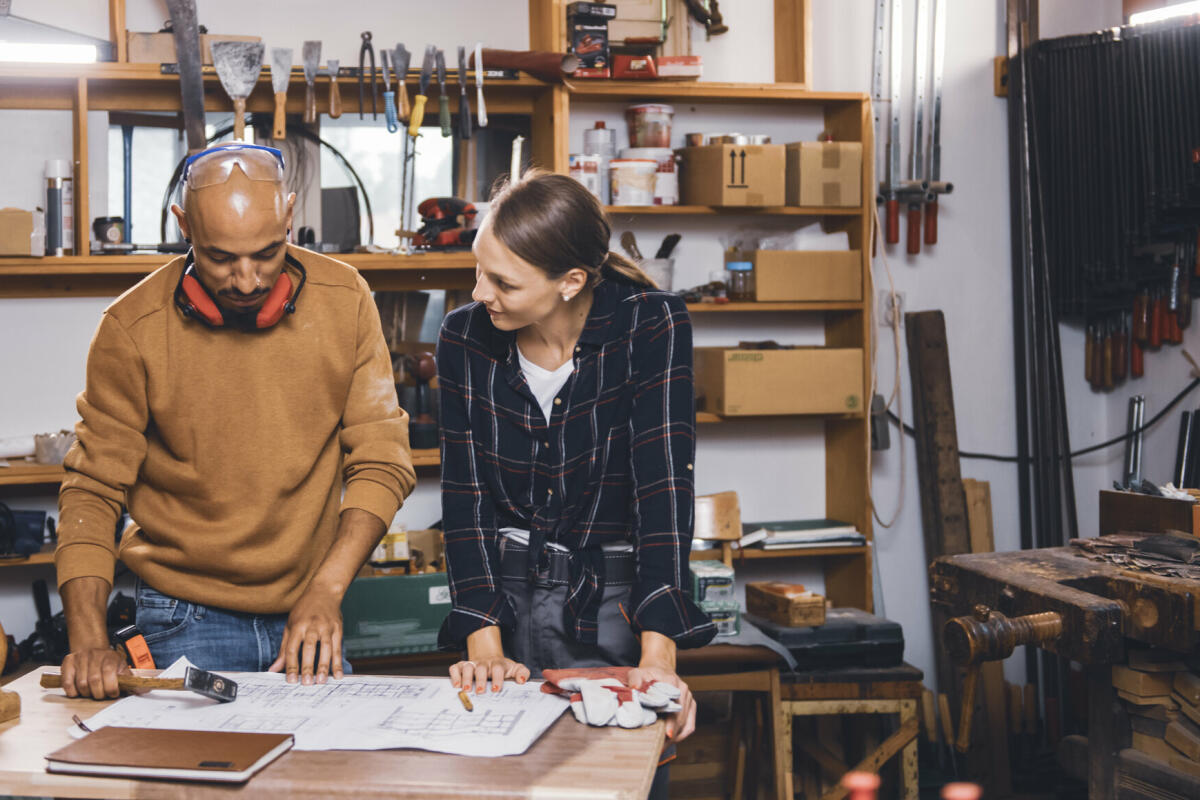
(439, 595)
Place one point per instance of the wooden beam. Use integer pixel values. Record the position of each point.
(793, 42)
(551, 129)
(79, 115)
(116, 30)
(891, 745)
(548, 25)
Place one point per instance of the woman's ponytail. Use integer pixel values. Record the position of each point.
(618, 265)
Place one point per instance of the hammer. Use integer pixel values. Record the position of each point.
(202, 682)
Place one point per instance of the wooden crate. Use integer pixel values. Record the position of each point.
(772, 601)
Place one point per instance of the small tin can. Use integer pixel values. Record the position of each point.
(586, 169)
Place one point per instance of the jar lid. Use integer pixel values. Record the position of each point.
(651, 108)
(58, 168)
(739, 266)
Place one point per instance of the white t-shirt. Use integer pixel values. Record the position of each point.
(545, 385)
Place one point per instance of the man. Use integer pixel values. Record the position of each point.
(229, 397)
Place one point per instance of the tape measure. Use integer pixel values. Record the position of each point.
(130, 641)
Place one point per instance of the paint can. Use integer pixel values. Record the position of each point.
(633, 181)
(666, 176)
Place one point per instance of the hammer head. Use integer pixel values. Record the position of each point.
(209, 684)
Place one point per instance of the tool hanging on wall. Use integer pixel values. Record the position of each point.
(310, 54)
(238, 65)
(443, 105)
(400, 61)
(364, 51)
(464, 106)
(389, 97)
(186, 33)
(916, 187)
(890, 187)
(281, 73)
(936, 185)
(418, 110)
(480, 108)
(335, 94)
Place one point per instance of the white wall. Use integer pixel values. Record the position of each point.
(778, 469)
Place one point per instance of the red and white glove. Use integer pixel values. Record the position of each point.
(601, 696)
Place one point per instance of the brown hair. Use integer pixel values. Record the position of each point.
(554, 223)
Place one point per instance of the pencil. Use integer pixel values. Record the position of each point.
(466, 701)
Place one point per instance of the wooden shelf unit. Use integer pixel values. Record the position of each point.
(847, 116)
(766, 211)
(758, 553)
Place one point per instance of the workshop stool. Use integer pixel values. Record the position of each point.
(754, 669)
(889, 690)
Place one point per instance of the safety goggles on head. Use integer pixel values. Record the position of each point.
(214, 165)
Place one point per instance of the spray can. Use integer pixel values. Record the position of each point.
(602, 141)
(60, 208)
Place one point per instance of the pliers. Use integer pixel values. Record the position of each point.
(366, 49)
(389, 97)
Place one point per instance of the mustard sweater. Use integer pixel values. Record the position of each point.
(230, 448)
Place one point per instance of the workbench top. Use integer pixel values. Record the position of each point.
(571, 761)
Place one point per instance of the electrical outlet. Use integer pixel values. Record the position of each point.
(885, 311)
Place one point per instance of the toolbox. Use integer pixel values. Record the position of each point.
(394, 614)
(850, 637)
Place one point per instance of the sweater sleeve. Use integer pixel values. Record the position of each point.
(662, 452)
(378, 467)
(106, 457)
(468, 511)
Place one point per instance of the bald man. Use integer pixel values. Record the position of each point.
(240, 403)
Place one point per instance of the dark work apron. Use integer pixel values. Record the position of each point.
(540, 640)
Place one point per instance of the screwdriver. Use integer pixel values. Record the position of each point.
(1120, 351)
(1107, 375)
(1089, 352)
(1137, 367)
(1154, 329)
(1141, 316)
(1098, 357)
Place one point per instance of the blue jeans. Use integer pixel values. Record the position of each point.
(211, 638)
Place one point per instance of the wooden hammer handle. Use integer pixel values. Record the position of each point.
(127, 683)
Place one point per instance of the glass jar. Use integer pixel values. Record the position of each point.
(739, 278)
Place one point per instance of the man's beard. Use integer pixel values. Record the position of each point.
(243, 320)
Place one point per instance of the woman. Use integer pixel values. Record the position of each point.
(568, 435)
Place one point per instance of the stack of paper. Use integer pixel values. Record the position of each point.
(792, 534)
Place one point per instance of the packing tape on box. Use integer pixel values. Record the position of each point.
(831, 156)
(831, 193)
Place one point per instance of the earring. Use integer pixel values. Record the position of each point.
(566, 298)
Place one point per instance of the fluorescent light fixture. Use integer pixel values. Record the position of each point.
(1159, 14)
(47, 53)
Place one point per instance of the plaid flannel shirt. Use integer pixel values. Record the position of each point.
(613, 464)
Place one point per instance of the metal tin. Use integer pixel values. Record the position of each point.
(693, 139)
(759, 138)
(666, 179)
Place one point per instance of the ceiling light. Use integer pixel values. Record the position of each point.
(47, 53)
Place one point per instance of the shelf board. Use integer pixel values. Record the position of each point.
(753, 553)
(790, 211)
(814, 305)
(109, 275)
(41, 475)
(708, 418)
(706, 91)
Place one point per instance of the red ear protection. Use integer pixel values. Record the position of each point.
(195, 301)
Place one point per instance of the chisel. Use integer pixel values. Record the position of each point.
(418, 111)
(311, 55)
(480, 108)
(335, 94)
(281, 72)
(401, 58)
(464, 106)
(443, 106)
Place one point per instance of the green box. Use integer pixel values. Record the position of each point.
(394, 614)
(726, 614)
(711, 581)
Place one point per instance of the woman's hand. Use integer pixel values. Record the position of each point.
(658, 664)
(486, 659)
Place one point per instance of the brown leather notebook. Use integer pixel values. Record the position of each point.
(170, 755)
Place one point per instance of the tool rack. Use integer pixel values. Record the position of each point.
(124, 86)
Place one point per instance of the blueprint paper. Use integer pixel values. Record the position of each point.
(354, 713)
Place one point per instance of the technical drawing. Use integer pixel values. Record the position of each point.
(446, 722)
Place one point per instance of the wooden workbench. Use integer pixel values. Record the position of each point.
(571, 761)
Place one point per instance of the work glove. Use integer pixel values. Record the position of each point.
(601, 696)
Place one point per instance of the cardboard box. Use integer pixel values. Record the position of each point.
(22, 233)
(801, 380)
(733, 175)
(394, 614)
(824, 174)
(159, 48)
(718, 517)
(587, 37)
(785, 604)
(791, 275)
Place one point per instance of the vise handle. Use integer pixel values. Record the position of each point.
(987, 635)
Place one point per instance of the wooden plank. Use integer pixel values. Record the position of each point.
(763, 211)
(1184, 736)
(550, 133)
(1102, 732)
(116, 30)
(79, 118)
(793, 42)
(715, 92)
(766, 307)
(979, 515)
(1126, 511)
(1141, 684)
(547, 25)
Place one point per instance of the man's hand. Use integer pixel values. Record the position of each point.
(312, 640)
(93, 673)
(486, 659)
(658, 664)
